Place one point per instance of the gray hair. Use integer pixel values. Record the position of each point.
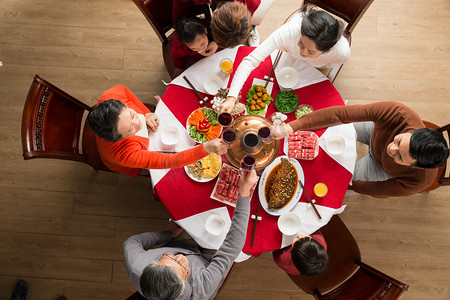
(160, 282)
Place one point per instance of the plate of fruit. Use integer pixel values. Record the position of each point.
(258, 99)
(202, 125)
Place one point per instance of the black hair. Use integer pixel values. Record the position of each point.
(322, 28)
(188, 28)
(309, 256)
(429, 148)
(104, 119)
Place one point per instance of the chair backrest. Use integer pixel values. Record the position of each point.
(350, 11)
(159, 14)
(342, 251)
(366, 283)
(442, 178)
(52, 126)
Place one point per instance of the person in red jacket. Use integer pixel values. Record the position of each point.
(306, 256)
(121, 123)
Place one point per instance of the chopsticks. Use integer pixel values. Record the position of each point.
(196, 92)
(310, 201)
(275, 63)
(254, 227)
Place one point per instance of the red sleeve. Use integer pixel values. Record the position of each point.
(283, 259)
(252, 5)
(318, 236)
(178, 53)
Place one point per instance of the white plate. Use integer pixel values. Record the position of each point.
(289, 223)
(335, 144)
(215, 224)
(189, 125)
(298, 191)
(287, 77)
(203, 179)
(212, 84)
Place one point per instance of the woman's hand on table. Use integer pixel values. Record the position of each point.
(152, 121)
(174, 228)
(217, 146)
(281, 131)
(228, 105)
(246, 182)
(210, 50)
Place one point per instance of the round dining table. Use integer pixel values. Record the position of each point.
(189, 202)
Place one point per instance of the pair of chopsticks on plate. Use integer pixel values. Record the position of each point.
(202, 100)
(310, 201)
(274, 65)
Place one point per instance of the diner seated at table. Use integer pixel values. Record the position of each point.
(306, 256)
(403, 155)
(177, 269)
(121, 123)
(311, 35)
(192, 41)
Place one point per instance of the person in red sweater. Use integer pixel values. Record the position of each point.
(306, 256)
(121, 123)
(191, 43)
(403, 155)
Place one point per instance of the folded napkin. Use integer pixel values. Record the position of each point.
(166, 118)
(308, 74)
(309, 222)
(204, 68)
(348, 158)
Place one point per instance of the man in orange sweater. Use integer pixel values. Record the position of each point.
(403, 155)
(121, 123)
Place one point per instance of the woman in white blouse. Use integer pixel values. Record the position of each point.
(311, 34)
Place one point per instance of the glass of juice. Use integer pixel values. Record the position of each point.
(320, 189)
(225, 119)
(265, 134)
(229, 136)
(248, 163)
(226, 65)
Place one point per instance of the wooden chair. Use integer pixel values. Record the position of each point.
(351, 11)
(441, 178)
(52, 126)
(159, 14)
(346, 277)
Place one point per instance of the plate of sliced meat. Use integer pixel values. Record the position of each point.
(278, 188)
(302, 145)
(226, 189)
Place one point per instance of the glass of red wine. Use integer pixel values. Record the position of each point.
(248, 163)
(265, 134)
(225, 119)
(229, 136)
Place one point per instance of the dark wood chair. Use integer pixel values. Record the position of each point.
(159, 14)
(442, 178)
(351, 11)
(346, 277)
(52, 126)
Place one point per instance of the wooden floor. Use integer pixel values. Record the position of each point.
(62, 225)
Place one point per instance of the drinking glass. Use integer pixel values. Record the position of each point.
(265, 134)
(229, 136)
(225, 119)
(226, 65)
(320, 189)
(248, 163)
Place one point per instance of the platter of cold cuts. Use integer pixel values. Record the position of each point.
(227, 186)
(278, 188)
(302, 145)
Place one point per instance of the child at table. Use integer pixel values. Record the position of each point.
(191, 43)
(306, 256)
(311, 35)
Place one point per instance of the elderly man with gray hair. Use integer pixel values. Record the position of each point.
(177, 269)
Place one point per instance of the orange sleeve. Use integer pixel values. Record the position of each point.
(124, 95)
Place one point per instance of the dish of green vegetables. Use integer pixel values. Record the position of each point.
(286, 101)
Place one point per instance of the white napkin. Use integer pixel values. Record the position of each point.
(309, 222)
(204, 68)
(308, 74)
(348, 158)
(166, 118)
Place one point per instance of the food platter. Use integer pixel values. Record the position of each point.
(197, 136)
(297, 193)
(203, 179)
(265, 155)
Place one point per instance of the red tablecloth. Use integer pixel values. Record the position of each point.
(184, 197)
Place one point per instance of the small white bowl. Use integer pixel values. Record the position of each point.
(335, 144)
(212, 84)
(289, 223)
(215, 224)
(287, 77)
(169, 136)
